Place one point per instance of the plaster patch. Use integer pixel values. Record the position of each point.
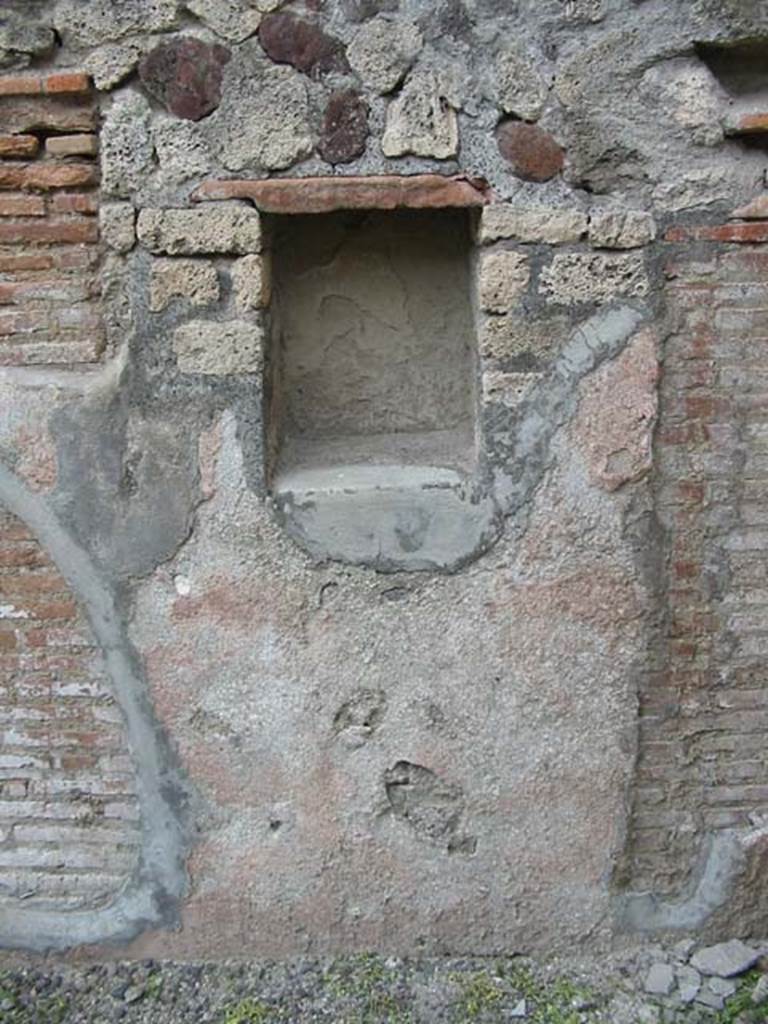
(617, 412)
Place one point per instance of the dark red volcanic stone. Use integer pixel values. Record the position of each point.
(532, 153)
(185, 76)
(345, 128)
(289, 40)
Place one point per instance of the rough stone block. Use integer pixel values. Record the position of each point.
(548, 224)
(756, 209)
(382, 51)
(126, 146)
(217, 228)
(504, 277)
(621, 229)
(230, 20)
(515, 337)
(264, 121)
(251, 281)
(195, 280)
(686, 92)
(101, 21)
(219, 348)
(508, 389)
(594, 277)
(181, 149)
(110, 64)
(520, 88)
(660, 980)
(22, 37)
(726, 959)
(422, 120)
(117, 226)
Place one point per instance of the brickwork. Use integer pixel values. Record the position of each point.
(704, 710)
(69, 820)
(49, 254)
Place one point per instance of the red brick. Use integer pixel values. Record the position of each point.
(22, 206)
(18, 145)
(22, 323)
(50, 230)
(62, 113)
(75, 259)
(46, 176)
(74, 202)
(30, 583)
(24, 262)
(21, 554)
(66, 82)
(20, 85)
(752, 232)
(53, 352)
(44, 289)
(751, 123)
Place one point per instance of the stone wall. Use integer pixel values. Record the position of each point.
(384, 623)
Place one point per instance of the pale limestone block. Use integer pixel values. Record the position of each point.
(549, 224)
(219, 348)
(229, 19)
(421, 119)
(126, 146)
(195, 280)
(515, 336)
(251, 282)
(520, 88)
(117, 226)
(264, 121)
(214, 228)
(621, 229)
(382, 51)
(504, 276)
(182, 151)
(110, 64)
(594, 277)
(508, 389)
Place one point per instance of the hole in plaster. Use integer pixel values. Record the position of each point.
(373, 338)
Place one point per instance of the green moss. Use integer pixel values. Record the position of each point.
(250, 1011)
(740, 1005)
(362, 982)
(481, 996)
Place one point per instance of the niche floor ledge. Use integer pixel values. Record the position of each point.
(404, 518)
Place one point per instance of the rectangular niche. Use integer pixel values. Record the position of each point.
(372, 358)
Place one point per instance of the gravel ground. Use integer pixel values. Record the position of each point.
(368, 989)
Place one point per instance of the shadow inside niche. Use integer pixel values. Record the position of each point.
(739, 66)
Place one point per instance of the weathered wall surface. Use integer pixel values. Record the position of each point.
(504, 698)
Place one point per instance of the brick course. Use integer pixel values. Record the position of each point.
(68, 804)
(702, 765)
(49, 234)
